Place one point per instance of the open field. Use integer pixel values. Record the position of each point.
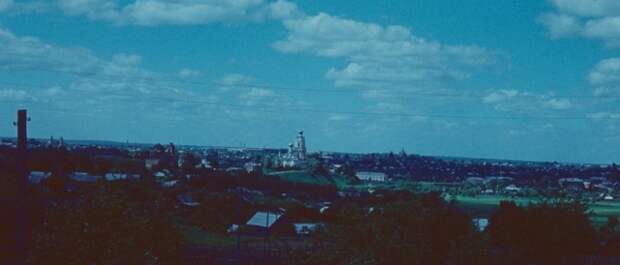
(483, 206)
(301, 176)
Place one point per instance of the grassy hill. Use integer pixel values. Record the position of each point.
(306, 176)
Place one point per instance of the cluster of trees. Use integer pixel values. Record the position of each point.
(60, 161)
(421, 230)
(103, 223)
(427, 230)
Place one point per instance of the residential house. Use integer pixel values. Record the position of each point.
(35, 177)
(84, 177)
(371, 176)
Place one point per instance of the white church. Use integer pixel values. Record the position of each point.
(296, 155)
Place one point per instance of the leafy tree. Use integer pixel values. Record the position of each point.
(546, 232)
(213, 159)
(419, 231)
(189, 162)
(111, 224)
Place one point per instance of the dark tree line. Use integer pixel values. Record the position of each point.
(427, 230)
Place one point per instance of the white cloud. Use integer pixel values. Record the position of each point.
(559, 103)
(5, 4)
(605, 71)
(561, 25)
(178, 12)
(378, 54)
(236, 79)
(499, 96)
(604, 115)
(605, 77)
(283, 10)
(93, 81)
(27, 53)
(511, 100)
(14, 95)
(262, 97)
(588, 8)
(596, 19)
(187, 73)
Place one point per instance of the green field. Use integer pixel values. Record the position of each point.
(484, 206)
(301, 176)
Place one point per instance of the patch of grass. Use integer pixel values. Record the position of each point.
(301, 176)
(198, 236)
(484, 206)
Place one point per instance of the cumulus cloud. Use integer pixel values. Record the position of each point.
(378, 54)
(5, 4)
(603, 115)
(561, 25)
(558, 103)
(10, 94)
(596, 19)
(28, 53)
(499, 96)
(93, 82)
(605, 77)
(511, 100)
(178, 12)
(236, 79)
(588, 8)
(256, 95)
(187, 73)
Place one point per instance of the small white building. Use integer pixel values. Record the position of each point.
(480, 223)
(371, 176)
(512, 188)
(169, 184)
(252, 167)
(35, 177)
(120, 176)
(264, 220)
(84, 177)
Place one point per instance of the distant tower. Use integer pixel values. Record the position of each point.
(290, 149)
(301, 145)
(171, 149)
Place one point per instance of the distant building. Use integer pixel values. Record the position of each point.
(84, 177)
(480, 223)
(169, 183)
(371, 176)
(35, 177)
(120, 176)
(296, 155)
(572, 183)
(512, 188)
(150, 164)
(264, 220)
(53, 143)
(475, 180)
(252, 167)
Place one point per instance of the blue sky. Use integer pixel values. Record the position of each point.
(530, 80)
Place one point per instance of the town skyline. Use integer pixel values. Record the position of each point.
(439, 79)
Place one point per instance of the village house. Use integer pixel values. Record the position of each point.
(35, 177)
(371, 176)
